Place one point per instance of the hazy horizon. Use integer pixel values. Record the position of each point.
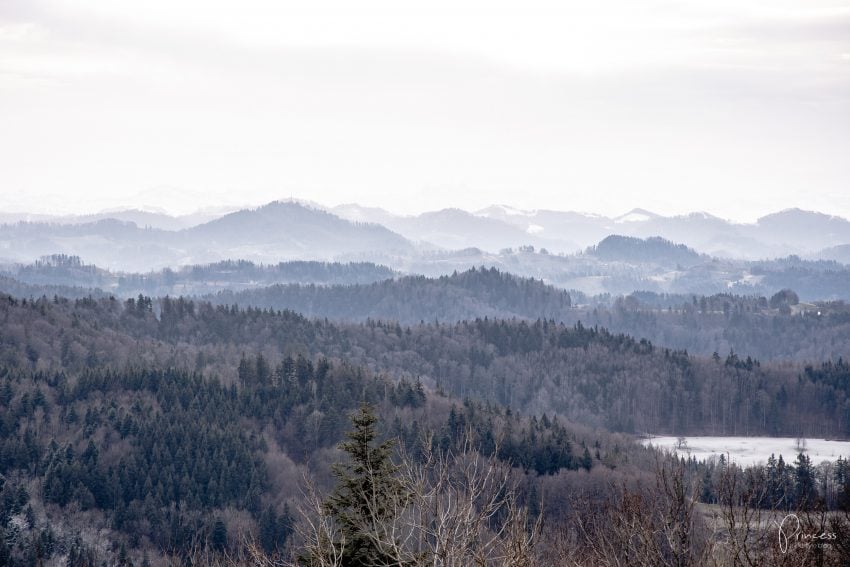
(736, 109)
(225, 207)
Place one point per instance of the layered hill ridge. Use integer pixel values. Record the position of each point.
(272, 233)
(295, 227)
(281, 230)
(475, 293)
(638, 251)
(589, 375)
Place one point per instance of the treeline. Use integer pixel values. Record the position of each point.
(475, 293)
(17, 288)
(768, 328)
(820, 279)
(780, 485)
(241, 274)
(59, 270)
(586, 374)
(773, 328)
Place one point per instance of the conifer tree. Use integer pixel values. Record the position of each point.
(218, 538)
(773, 494)
(804, 482)
(842, 483)
(368, 492)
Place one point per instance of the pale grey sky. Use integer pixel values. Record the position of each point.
(736, 107)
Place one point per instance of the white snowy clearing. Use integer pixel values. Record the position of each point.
(747, 451)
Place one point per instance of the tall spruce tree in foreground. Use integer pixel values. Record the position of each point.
(805, 489)
(368, 493)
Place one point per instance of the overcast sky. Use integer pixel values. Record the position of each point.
(735, 107)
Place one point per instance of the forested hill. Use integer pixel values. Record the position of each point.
(18, 288)
(654, 250)
(161, 459)
(584, 374)
(762, 327)
(125, 437)
(71, 271)
(765, 328)
(467, 295)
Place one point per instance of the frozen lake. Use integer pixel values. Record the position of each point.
(752, 450)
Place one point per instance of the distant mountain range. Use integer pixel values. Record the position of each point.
(141, 218)
(272, 233)
(454, 229)
(792, 231)
(430, 243)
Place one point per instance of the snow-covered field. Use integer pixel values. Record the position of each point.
(752, 450)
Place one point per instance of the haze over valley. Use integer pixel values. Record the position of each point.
(594, 255)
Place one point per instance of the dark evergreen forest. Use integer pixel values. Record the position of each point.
(158, 429)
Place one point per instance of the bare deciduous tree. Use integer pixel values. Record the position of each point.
(648, 527)
(461, 509)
